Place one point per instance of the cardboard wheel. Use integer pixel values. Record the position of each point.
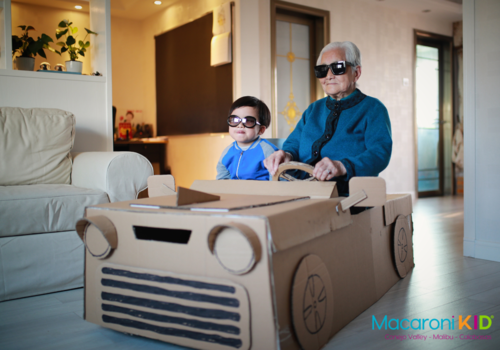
(402, 246)
(284, 167)
(312, 303)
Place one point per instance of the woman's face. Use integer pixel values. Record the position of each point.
(339, 86)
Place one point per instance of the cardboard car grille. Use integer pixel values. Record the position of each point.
(199, 309)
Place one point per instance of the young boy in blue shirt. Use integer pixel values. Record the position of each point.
(244, 158)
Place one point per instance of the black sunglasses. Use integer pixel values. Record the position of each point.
(248, 122)
(337, 68)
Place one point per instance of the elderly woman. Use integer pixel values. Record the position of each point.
(345, 134)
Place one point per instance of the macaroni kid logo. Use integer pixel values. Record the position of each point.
(462, 323)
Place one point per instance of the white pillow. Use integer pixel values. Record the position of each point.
(35, 145)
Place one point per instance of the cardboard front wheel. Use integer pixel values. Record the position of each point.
(284, 167)
(312, 303)
(402, 246)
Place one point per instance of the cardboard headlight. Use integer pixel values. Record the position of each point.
(99, 235)
(236, 247)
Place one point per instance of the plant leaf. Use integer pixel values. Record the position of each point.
(81, 53)
(87, 44)
(74, 30)
(60, 43)
(63, 23)
(60, 34)
(41, 53)
(70, 40)
(46, 38)
(64, 49)
(22, 27)
(81, 43)
(30, 28)
(90, 32)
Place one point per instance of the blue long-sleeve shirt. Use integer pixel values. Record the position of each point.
(236, 163)
(355, 131)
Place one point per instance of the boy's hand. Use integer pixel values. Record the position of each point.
(326, 169)
(274, 160)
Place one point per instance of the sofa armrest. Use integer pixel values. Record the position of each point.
(122, 175)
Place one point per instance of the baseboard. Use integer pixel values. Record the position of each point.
(469, 248)
(487, 250)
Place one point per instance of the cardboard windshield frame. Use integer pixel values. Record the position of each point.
(181, 292)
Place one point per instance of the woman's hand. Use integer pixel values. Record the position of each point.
(274, 160)
(326, 169)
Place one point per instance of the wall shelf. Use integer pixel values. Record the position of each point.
(88, 97)
(51, 76)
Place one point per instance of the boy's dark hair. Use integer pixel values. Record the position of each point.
(250, 101)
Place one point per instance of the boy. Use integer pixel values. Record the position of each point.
(244, 158)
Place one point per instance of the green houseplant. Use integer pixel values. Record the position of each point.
(28, 48)
(70, 44)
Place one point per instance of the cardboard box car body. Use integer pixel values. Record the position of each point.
(270, 265)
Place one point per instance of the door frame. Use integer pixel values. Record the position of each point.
(322, 18)
(441, 42)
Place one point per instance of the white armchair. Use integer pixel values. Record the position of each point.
(44, 191)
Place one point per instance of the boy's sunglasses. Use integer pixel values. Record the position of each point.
(248, 122)
(337, 68)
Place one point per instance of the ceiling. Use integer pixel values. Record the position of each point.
(447, 10)
(131, 9)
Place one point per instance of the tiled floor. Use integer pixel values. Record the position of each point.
(443, 284)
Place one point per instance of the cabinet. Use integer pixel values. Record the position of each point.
(154, 151)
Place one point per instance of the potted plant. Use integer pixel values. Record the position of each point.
(28, 48)
(71, 45)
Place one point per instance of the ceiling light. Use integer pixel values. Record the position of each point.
(78, 7)
(157, 2)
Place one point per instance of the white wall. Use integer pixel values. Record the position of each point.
(384, 36)
(481, 25)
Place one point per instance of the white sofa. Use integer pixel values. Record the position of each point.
(44, 191)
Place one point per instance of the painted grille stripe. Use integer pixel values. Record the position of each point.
(231, 302)
(171, 280)
(210, 338)
(172, 307)
(209, 326)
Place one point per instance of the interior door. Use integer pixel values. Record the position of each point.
(433, 113)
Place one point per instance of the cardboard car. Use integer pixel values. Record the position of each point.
(244, 264)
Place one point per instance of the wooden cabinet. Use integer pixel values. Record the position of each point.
(154, 151)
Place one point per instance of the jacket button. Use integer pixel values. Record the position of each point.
(327, 137)
(315, 153)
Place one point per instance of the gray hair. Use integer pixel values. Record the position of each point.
(352, 53)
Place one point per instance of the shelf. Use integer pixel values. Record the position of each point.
(51, 76)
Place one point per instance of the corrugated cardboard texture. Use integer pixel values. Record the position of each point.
(357, 252)
(227, 202)
(374, 187)
(393, 208)
(304, 221)
(161, 185)
(314, 189)
(193, 260)
(185, 196)
(359, 261)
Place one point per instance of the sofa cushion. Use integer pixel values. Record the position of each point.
(35, 145)
(28, 209)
